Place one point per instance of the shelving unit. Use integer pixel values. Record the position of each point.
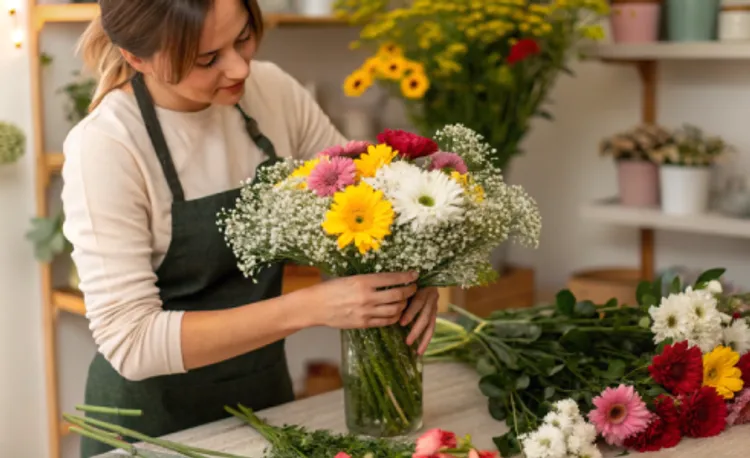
(646, 58)
(49, 165)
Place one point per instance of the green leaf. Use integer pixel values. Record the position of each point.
(641, 291)
(497, 409)
(566, 302)
(529, 332)
(505, 355)
(656, 390)
(648, 301)
(549, 392)
(585, 309)
(523, 382)
(615, 369)
(576, 340)
(612, 303)
(676, 286)
(485, 367)
(711, 274)
(556, 369)
(490, 386)
(662, 344)
(507, 444)
(644, 322)
(657, 288)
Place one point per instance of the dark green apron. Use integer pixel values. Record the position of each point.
(199, 272)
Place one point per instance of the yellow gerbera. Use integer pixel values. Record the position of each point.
(304, 170)
(357, 83)
(411, 67)
(415, 85)
(390, 49)
(720, 371)
(359, 214)
(371, 66)
(393, 67)
(376, 156)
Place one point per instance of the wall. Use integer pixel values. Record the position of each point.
(561, 170)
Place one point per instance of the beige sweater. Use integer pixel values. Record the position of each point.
(117, 202)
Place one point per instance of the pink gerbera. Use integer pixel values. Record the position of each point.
(331, 175)
(448, 161)
(739, 410)
(433, 441)
(620, 413)
(352, 149)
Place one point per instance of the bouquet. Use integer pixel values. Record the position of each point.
(490, 64)
(641, 376)
(407, 203)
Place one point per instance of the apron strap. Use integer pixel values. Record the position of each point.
(146, 105)
(263, 142)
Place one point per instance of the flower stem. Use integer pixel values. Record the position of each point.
(110, 410)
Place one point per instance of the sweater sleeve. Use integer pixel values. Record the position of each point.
(107, 216)
(310, 127)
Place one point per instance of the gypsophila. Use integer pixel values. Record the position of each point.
(399, 217)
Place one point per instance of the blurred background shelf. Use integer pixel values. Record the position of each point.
(669, 51)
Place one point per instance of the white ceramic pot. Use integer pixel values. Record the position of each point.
(315, 7)
(684, 190)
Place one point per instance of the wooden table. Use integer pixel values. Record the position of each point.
(452, 402)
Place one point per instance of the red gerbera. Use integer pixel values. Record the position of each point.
(662, 432)
(408, 145)
(703, 413)
(678, 368)
(522, 49)
(744, 366)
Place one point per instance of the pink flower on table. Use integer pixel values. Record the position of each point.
(739, 409)
(342, 455)
(619, 414)
(432, 441)
(447, 161)
(352, 149)
(473, 453)
(332, 175)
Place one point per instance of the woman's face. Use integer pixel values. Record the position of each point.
(223, 64)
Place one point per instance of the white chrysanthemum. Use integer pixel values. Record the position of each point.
(562, 422)
(545, 442)
(590, 451)
(586, 431)
(669, 318)
(737, 336)
(568, 407)
(714, 286)
(428, 199)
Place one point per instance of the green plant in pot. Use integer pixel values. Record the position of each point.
(49, 242)
(488, 65)
(79, 93)
(637, 173)
(12, 143)
(685, 169)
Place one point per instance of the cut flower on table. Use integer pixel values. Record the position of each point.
(643, 376)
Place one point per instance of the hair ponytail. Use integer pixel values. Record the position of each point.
(104, 58)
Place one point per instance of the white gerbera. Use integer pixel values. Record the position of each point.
(427, 198)
(737, 336)
(669, 318)
(389, 177)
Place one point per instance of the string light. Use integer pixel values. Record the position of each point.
(17, 31)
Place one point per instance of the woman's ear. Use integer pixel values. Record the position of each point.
(140, 65)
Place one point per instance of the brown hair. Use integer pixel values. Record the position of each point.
(143, 27)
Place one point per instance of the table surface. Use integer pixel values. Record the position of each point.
(452, 402)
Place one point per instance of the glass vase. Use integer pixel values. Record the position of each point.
(382, 378)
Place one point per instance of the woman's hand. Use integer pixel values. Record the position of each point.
(360, 301)
(423, 306)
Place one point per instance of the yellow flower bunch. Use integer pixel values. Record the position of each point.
(389, 64)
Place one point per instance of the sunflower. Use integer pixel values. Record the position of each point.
(371, 66)
(375, 157)
(359, 214)
(415, 85)
(393, 67)
(412, 67)
(719, 371)
(357, 83)
(390, 49)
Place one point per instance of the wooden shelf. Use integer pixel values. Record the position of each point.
(85, 12)
(54, 162)
(69, 301)
(709, 50)
(611, 212)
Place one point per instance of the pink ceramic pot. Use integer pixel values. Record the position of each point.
(636, 22)
(638, 183)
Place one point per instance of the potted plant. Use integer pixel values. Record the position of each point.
(49, 242)
(12, 143)
(636, 21)
(685, 170)
(485, 65)
(637, 174)
(692, 20)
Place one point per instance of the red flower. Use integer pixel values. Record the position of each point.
(744, 366)
(678, 368)
(703, 413)
(473, 453)
(433, 441)
(662, 432)
(522, 49)
(408, 145)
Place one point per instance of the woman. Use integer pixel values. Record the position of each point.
(172, 133)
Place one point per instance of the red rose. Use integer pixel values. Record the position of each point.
(703, 413)
(408, 145)
(678, 368)
(522, 49)
(662, 432)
